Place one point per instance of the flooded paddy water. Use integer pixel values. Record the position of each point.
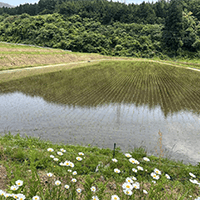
(126, 103)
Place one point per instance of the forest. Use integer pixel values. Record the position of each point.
(163, 29)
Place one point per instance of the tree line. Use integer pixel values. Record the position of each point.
(111, 28)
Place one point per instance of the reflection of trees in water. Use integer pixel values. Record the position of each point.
(141, 83)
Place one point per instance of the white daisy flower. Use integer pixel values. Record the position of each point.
(136, 185)
(63, 150)
(59, 153)
(61, 164)
(157, 171)
(69, 170)
(57, 183)
(71, 164)
(193, 181)
(50, 149)
(74, 172)
(128, 155)
(79, 190)
(116, 170)
(52, 156)
(191, 174)
(66, 186)
(14, 187)
(79, 158)
(115, 197)
(74, 180)
(95, 198)
(137, 162)
(133, 178)
(132, 160)
(21, 197)
(15, 196)
(153, 182)
(2, 193)
(127, 186)
(81, 154)
(36, 198)
(49, 174)
(129, 180)
(55, 159)
(93, 189)
(128, 192)
(114, 160)
(134, 170)
(7, 195)
(140, 168)
(146, 159)
(155, 176)
(145, 192)
(19, 183)
(67, 163)
(167, 176)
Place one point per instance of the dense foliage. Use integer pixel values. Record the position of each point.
(110, 28)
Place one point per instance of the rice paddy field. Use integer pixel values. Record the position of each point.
(149, 110)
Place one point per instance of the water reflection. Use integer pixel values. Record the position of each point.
(103, 105)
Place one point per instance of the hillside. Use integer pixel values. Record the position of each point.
(162, 29)
(5, 5)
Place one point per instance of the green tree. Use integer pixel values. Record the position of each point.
(173, 29)
(190, 30)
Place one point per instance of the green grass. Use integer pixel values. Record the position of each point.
(27, 159)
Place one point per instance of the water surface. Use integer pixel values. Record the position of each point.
(108, 104)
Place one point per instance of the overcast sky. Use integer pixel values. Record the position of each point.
(18, 2)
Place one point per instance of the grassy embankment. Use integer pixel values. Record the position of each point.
(27, 159)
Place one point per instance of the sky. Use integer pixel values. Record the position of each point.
(18, 2)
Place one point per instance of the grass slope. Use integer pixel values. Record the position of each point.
(30, 159)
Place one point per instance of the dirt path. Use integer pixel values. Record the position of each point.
(99, 60)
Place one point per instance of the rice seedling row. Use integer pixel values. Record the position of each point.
(179, 89)
(107, 90)
(111, 91)
(173, 84)
(122, 90)
(93, 94)
(139, 95)
(185, 83)
(87, 92)
(187, 103)
(78, 115)
(165, 97)
(128, 95)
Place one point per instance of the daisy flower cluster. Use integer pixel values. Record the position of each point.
(130, 183)
(193, 180)
(129, 186)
